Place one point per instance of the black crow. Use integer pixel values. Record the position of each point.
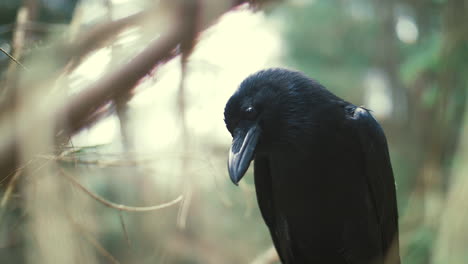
(322, 171)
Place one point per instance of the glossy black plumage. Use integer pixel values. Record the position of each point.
(322, 172)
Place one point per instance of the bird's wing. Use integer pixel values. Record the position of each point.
(263, 187)
(380, 179)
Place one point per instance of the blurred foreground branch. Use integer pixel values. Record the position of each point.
(80, 110)
(97, 37)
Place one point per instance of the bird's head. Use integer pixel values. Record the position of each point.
(267, 111)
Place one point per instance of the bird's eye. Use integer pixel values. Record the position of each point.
(250, 113)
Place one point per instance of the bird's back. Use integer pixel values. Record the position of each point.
(322, 207)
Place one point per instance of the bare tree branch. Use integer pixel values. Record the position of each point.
(75, 114)
(97, 37)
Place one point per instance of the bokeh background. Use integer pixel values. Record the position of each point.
(79, 176)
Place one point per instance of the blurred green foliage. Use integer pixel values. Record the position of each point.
(339, 42)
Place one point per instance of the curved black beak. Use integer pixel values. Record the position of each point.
(242, 151)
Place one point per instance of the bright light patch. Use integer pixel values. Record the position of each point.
(95, 65)
(378, 94)
(128, 37)
(406, 30)
(241, 43)
(103, 132)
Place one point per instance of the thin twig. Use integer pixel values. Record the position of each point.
(13, 173)
(124, 228)
(120, 207)
(10, 187)
(100, 163)
(188, 189)
(182, 215)
(13, 58)
(101, 249)
(113, 162)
